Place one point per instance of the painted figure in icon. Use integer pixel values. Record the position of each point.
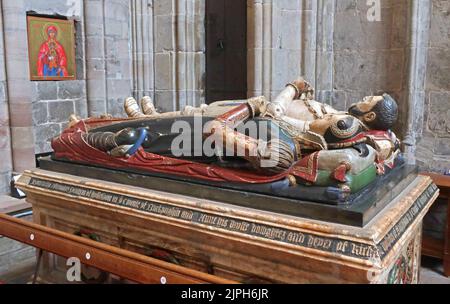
(52, 59)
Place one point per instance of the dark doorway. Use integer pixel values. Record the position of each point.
(226, 50)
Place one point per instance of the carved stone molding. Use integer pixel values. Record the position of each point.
(18, 85)
(96, 84)
(5, 139)
(289, 39)
(324, 22)
(142, 48)
(260, 47)
(169, 66)
(420, 31)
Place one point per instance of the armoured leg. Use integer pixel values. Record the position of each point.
(117, 144)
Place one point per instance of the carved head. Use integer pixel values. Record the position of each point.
(377, 112)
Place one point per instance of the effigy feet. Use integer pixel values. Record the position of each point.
(145, 108)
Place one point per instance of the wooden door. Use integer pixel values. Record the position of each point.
(226, 50)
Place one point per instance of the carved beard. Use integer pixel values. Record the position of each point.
(354, 111)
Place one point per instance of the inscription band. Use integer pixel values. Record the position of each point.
(303, 239)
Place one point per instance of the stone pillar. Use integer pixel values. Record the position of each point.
(323, 12)
(179, 53)
(118, 54)
(418, 57)
(19, 86)
(260, 47)
(142, 48)
(281, 44)
(5, 138)
(94, 16)
(190, 59)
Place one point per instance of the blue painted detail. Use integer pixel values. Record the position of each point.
(336, 194)
(280, 185)
(138, 143)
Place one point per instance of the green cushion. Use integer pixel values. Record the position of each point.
(356, 182)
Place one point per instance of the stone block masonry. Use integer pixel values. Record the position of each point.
(52, 104)
(115, 57)
(433, 143)
(346, 56)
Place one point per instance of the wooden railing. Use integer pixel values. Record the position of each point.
(123, 263)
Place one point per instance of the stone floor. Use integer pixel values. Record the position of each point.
(10, 205)
(432, 272)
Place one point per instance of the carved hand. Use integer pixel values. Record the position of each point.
(274, 156)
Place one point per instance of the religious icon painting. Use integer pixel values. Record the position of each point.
(51, 48)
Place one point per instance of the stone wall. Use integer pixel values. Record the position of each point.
(281, 44)
(347, 56)
(123, 48)
(52, 102)
(433, 149)
(407, 55)
(139, 48)
(369, 56)
(179, 53)
(5, 140)
(38, 109)
(108, 55)
(333, 44)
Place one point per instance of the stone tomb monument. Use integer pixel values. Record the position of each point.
(290, 190)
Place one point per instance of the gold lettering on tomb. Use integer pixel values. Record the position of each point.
(270, 233)
(208, 219)
(239, 226)
(318, 242)
(296, 237)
